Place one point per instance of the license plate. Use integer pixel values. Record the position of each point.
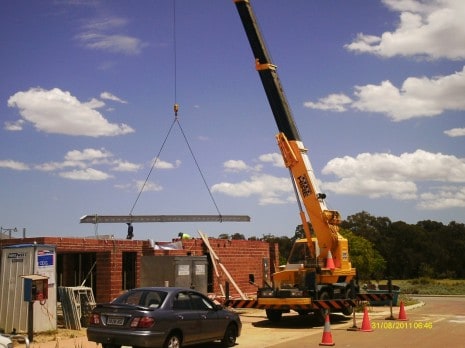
(115, 321)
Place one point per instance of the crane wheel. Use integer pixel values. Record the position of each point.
(320, 315)
(274, 315)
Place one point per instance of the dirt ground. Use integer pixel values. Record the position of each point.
(52, 336)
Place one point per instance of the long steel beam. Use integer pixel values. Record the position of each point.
(99, 219)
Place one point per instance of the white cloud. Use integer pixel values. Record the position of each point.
(103, 35)
(444, 197)
(147, 186)
(14, 126)
(57, 111)
(125, 166)
(276, 159)
(54, 166)
(373, 188)
(87, 155)
(417, 97)
(235, 166)
(269, 189)
(84, 163)
(333, 102)
(160, 164)
(387, 175)
(419, 165)
(109, 96)
(455, 132)
(433, 29)
(15, 165)
(87, 174)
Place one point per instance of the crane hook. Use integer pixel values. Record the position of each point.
(176, 109)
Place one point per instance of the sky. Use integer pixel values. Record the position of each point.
(87, 88)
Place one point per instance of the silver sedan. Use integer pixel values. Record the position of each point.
(164, 317)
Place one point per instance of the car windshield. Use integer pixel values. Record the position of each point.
(192, 301)
(144, 298)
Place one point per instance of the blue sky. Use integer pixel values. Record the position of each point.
(87, 90)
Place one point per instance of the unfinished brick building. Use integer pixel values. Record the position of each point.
(110, 266)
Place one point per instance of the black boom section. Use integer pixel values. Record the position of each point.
(267, 71)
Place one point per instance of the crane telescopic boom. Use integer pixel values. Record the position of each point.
(308, 275)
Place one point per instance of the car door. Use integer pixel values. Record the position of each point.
(212, 326)
(187, 319)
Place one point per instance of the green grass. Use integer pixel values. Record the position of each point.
(428, 286)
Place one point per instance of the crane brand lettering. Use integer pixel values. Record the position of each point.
(304, 186)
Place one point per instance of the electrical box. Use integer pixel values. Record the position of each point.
(183, 271)
(35, 288)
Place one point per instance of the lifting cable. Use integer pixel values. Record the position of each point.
(175, 121)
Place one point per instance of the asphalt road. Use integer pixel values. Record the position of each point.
(439, 322)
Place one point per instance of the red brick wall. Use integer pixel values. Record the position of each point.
(239, 257)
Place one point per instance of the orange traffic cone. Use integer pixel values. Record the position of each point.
(327, 339)
(402, 315)
(330, 261)
(366, 326)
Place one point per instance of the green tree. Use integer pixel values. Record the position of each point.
(364, 257)
(238, 236)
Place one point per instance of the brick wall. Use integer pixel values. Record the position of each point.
(239, 258)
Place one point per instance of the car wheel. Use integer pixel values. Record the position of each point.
(274, 315)
(230, 336)
(173, 341)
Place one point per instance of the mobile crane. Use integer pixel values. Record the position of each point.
(318, 267)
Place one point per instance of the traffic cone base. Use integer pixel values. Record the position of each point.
(327, 339)
(366, 325)
(402, 315)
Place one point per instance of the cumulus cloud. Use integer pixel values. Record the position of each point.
(85, 174)
(59, 112)
(235, 166)
(87, 155)
(433, 29)
(160, 164)
(106, 35)
(417, 97)
(125, 166)
(442, 198)
(14, 126)
(455, 132)
(387, 175)
(333, 102)
(276, 159)
(14, 165)
(269, 189)
(82, 165)
(112, 97)
(147, 186)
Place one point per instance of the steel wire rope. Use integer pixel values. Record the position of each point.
(176, 120)
(198, 168)
(153, 166)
